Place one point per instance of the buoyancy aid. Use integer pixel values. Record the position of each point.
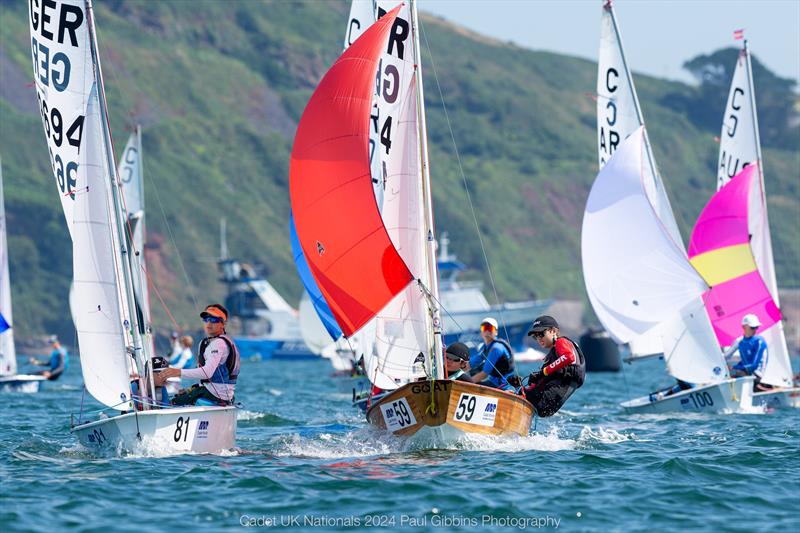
(227, 372)
(505, 366)
(575, 371)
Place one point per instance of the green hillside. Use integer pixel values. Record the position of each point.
(219, 86)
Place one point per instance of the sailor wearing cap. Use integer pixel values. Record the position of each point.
(753, 352)
(218, 364)
(563, 370)
(457, 361)
(495, 362)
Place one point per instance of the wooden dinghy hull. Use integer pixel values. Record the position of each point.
(451, 408)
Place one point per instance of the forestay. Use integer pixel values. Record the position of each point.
(740, 146)
(65, 77)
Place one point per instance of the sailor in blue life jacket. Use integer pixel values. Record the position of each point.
(218, 360)
(753, 353)
(495, 361)
(58, 362)
(563, 370)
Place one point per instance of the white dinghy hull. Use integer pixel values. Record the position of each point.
(727, 396)
(778, 399)
(21, 383)
(192, 429)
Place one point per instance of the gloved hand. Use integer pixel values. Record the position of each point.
(535, 377)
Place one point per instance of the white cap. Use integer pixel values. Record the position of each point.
(751, 320)
(489, 320)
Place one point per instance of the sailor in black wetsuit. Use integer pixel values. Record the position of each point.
(562, 373)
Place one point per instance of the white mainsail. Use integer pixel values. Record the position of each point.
(739, 146)
(618, 116)
(131, 176)
(637, 277)
(8, 354)
(68, 83)
(63, 74)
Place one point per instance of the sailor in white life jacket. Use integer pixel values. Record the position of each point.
(218, 365)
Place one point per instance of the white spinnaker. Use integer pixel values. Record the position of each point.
(403, 328)
(8, 354)
(636, 275)
(97, 300)
(63, 75)
(739, 146)
(690, 346)
(618, 116)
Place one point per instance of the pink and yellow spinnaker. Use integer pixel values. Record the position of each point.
(720, 251)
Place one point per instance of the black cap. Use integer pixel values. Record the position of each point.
(542, 323)
(458, 350)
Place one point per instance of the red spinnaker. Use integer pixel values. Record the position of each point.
(340, 229)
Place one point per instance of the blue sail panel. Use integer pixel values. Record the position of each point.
(321, 306)
(4, 325)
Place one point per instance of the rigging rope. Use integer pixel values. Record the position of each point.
(122, 87)
(464, 179)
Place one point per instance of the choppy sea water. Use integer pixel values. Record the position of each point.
(308, 461)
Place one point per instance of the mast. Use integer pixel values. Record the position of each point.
(437, 357)
(650, 159)
(751, 87)
(133, 325)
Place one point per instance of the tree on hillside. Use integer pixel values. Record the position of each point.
(776, 99)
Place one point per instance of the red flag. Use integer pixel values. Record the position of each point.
(738, 35)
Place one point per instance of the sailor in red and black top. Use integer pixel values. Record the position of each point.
(562, 373)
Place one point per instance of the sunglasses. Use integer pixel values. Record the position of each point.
(212, 320)
(538, 334)
(454, 359)
(487, 327)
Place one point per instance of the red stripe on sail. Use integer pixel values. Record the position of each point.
(338, 223)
